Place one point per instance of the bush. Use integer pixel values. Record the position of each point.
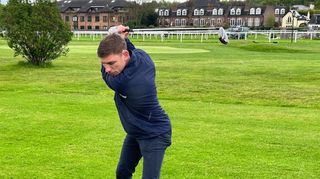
(36, 31)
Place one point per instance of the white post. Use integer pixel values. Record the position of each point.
(310, 35)
(245, 36)
(269, 36)
(201, 37)
(295, 36)
(181, 37)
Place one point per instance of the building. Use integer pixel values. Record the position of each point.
(295, 20)
(141, 1)
(212, 13)
(93, 14)
(314, 23)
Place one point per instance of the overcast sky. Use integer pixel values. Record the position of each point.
(5, 1)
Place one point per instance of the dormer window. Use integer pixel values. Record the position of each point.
(276, 11)
(238, 11)
(283, 11)
(201, 12)
(161, 12)
(214, 12)
(184, 12)
(179, 12)
(166, 12)
(258, 11)
(252, 11)
(220, 11)
(196, 12)
(232, 11)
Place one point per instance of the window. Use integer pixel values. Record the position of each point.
(161, 13)
(258, 11)
(67, 19)
(89, 19)
(89, 27)
(212, 22)
(239, 22)
(250, 22)
(184, 12)
(232, 12)
(97, 19)
(251, 11)
(82, 27)
(257, 22)
(81, 18)
(105, 18)
(166, 12)
(238, 11)
(183, 22)
(283, 11)
(97, 27)
(201, 12)
(177, 22)
(75, 18)
(220, 11)
(195, 22)
(196, 12)
(202, 22)
(232, 22)
(214, 12)
(219, 21)
(179, 12)
(289, 21)
(276, 11)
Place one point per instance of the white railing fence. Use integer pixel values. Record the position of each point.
(204, 34)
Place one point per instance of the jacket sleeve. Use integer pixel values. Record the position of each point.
(113, 82)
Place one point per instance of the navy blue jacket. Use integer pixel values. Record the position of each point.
(136, 96)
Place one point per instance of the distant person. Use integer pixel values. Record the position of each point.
(223, 37)
(130, 73)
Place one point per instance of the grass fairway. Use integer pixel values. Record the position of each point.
(245, 110)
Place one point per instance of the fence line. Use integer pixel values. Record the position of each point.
(204, 34)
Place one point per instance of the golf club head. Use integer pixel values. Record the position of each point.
(223, 36)
(223, 41)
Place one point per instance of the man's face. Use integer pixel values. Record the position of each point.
(115, 63)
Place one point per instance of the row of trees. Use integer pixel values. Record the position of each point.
(285, 2)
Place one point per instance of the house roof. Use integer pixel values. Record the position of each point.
(91, 5)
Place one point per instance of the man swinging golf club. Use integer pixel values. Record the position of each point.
(130, 73)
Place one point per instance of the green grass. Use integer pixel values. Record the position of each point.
(245, 110)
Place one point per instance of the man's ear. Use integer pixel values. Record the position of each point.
(126, 53)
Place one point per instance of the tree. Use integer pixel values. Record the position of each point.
(270, 22)
(36, 31)
(1, 16)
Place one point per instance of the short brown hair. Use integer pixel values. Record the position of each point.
(112, 44)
